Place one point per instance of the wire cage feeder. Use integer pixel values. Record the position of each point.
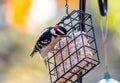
(76, 54)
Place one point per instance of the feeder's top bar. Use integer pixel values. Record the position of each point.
(73, 12)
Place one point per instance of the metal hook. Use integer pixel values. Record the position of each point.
(66, 5)
(103, 7)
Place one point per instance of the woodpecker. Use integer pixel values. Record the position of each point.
(47, 40)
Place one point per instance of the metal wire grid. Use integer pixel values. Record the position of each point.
(73, 23)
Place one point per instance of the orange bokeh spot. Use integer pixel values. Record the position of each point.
(15, 12)
(71, 3)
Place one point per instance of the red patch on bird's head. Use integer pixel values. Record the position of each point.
(56, 27)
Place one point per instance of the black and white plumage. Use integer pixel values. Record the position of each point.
(48, 39)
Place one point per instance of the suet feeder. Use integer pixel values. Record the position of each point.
(78, 55)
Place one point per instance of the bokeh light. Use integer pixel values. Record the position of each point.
(15, 11)
(26, 15)
(39, 14)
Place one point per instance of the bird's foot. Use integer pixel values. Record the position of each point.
(54, 50)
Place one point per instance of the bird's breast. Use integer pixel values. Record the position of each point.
(50, 47)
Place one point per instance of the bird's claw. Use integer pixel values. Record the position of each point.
(54, 50)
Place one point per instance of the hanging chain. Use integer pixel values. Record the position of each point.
(104, 38)
(66, 5)
(103, 7)
(104, 32)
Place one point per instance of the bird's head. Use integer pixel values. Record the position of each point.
(60, 31)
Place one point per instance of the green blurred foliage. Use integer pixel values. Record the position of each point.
(15, 48)
(113, 18)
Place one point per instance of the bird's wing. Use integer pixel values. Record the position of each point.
(44, 38)
(45, 42)
(44, 31)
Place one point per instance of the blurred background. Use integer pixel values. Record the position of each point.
(21, 21)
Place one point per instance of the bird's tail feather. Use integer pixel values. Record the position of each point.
(45, 61)
(32, 53)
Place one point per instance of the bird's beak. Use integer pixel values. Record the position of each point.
(67, 36)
